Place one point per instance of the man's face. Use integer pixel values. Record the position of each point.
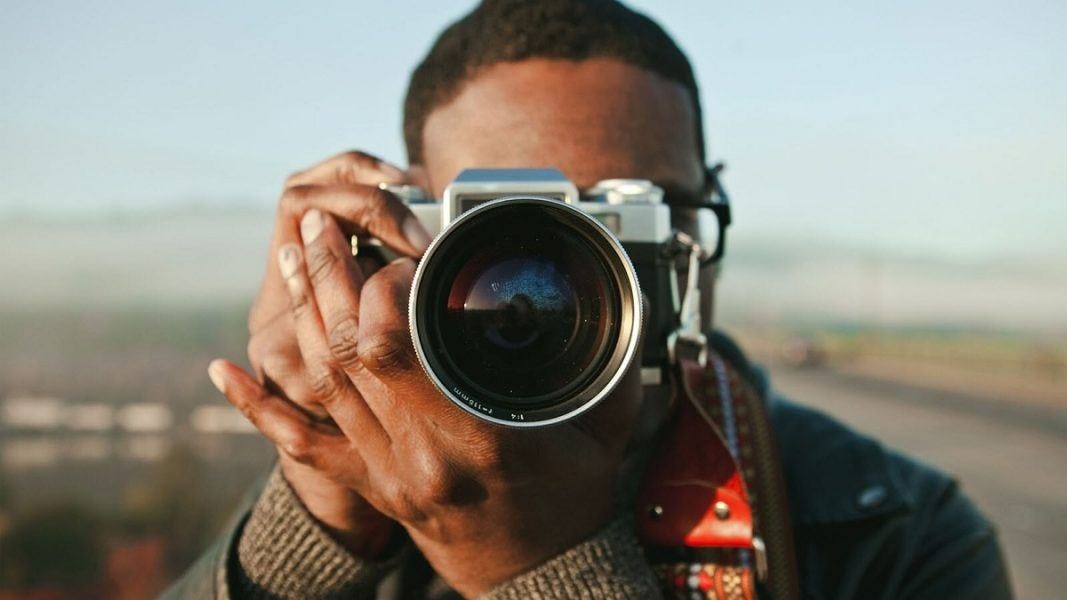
(592, 119)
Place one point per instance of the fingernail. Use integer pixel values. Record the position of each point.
(215, 373)
(311, 226)
(391, 172)
(416, 234)
(288, 259)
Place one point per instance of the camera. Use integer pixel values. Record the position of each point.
(526, 309)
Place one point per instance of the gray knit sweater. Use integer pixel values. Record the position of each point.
(284, 553)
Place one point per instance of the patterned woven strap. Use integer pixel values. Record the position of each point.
(704, 580)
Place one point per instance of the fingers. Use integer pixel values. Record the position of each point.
(365, 210)
(352, 168)
(385, 348)
(273, 349)
(329, 384)
(337, 281)
(346, 185)
(361, 210)
(281, 369)
(292, 431)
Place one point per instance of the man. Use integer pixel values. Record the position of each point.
(384, 488)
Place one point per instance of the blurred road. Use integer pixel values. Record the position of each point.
(1011, 460)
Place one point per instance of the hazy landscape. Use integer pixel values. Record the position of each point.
(193, 256)
(107, 324)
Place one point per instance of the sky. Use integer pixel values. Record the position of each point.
(916, 128)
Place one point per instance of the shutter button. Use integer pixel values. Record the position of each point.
(872, 497)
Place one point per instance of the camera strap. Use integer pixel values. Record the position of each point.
(713, 494)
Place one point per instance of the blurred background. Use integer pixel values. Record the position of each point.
(898, 257)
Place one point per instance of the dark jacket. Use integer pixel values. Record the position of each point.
(868, 522)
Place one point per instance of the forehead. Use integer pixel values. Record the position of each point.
(593, 119)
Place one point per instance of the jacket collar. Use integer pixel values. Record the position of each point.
(833, 474)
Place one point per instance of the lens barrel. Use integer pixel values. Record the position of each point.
(525, 311)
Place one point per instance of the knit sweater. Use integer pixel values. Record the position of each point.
(922, 539)
(284, 552)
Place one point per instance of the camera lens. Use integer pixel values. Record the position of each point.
(525, 311)
(525, 323)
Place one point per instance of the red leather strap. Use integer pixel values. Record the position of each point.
(693, 494)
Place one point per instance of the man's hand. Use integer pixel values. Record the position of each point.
(345, 185)
(483, 502)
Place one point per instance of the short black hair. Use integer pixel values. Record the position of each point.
(499, 31)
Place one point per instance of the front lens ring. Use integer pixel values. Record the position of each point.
(596, 386)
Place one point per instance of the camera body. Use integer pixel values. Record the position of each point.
(622, 213)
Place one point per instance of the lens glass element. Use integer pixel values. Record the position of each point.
(518, 304)
(524, 311)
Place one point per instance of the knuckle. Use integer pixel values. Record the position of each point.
(403, 506)
(295, 197)
(376, 206)
(327, 384)
(354, 168)
(386, 352)
(279, 359)
(298, 445)
(320, 260)
(343, 341)
(299, 297)
(357, 158)
(439, 483)
(443, 483)
(395, 280)
(270, 340)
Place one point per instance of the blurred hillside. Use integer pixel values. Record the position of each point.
(118, 460)
(107, 324)
(82, 290)
(192, 257)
